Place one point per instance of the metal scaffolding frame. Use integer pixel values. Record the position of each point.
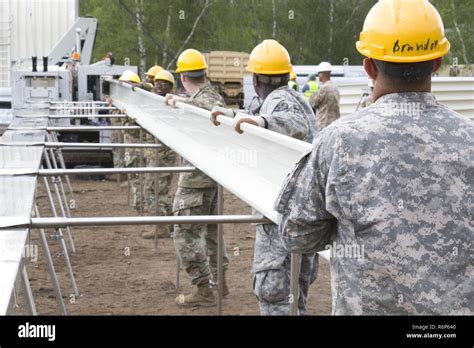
(56, 170)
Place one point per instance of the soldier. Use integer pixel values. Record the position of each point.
(287, 112)
(121, 159)
(164, 82)
(325, 101)
(393, 180)
(148, 84)
(197, 193)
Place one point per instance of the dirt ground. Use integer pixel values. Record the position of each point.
(142, 283)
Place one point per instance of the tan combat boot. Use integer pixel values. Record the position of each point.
(202, 297)
(162, 232)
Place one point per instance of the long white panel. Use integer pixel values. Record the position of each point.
(12, 245)
(17, 193)
(252, 165)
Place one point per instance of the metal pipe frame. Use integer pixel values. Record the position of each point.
(294, 282)
(50, 265)
(59, 191)
(77, 102)
(61, 239)
(54, 137)
(88, 116)
(141, 160)
(131, 170)
(58, 222)
(220, 249)
(75, 128)
(25, 282)
(83, 107)
(87, 128)
(100, 145)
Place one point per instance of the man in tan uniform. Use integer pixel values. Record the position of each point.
(197, 193)
(325, 101)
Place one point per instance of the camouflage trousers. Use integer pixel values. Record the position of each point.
(272, 287)
(159, 195)
(117, 137)
(196, 244)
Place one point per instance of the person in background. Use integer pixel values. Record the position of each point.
(325, 102)
(293, 83)
(158, 201)
(310, 87)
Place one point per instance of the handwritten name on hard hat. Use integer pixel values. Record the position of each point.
(428, 46)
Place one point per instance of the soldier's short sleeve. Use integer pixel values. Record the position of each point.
(305, 224)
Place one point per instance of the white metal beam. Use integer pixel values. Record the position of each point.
(252, 165)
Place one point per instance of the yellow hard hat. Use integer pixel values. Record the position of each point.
(403, 31)
(292, 74)
(153, 70)
(165, 75)
(269, 58)
(190, 60)
(130, 76)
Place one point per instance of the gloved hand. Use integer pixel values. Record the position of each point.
(219, 110)
(244, 118)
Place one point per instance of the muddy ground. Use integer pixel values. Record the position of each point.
(143, 283)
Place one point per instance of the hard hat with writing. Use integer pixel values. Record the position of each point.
(153, 70)
(165, 75)
(129, 76)
(403, 31)
(190, 61)
(269, 58)
(324, 67)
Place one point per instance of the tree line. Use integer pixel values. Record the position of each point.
(148, 32)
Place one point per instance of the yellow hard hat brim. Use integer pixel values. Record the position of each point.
(268, 72)
(445, 47)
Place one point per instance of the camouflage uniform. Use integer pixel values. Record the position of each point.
(395, 178)
(116, 138)
(287, 112)
(166, 158)
(326, 103)
(197, 195)
(131, 158)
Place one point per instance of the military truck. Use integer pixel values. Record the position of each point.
(226, 71)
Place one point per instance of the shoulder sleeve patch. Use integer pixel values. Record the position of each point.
(281, 106)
